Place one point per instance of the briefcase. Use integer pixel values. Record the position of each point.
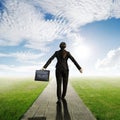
(42, 75)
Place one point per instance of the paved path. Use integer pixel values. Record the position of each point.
(45, 107)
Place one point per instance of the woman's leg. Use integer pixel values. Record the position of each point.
(59, 81)
(65, 82)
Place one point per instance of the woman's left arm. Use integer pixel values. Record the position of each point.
(49, 61)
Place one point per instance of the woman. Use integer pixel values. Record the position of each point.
(62, 70)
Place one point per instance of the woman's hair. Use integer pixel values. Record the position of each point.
(62, 45)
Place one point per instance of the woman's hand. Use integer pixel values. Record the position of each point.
(43, 68)
(81, 70)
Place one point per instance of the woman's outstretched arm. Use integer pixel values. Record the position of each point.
(75, 62)
(49, 61)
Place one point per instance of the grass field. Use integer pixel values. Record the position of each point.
(101, 95)
(16, 96)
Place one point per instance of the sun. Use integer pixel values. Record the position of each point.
(82, 51)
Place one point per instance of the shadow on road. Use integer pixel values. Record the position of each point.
(62, 115)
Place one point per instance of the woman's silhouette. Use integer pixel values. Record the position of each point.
(62, 70)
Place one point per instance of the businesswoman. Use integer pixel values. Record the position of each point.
(62, 70)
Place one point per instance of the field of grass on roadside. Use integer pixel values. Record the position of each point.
(101, 95)
(16, 96)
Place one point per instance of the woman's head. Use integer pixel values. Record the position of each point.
(62, 45)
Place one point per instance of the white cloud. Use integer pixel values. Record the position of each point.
(24, 57)
(27, 71)
(25, 19)
(22, 21)
(80, 12)
(115, 9)
(12, 70)
(111, 61)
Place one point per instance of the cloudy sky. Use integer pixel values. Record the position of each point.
(31, 30)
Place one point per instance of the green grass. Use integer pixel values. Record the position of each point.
(16, 96)
(101, 95)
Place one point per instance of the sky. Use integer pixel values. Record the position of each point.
(31, 31)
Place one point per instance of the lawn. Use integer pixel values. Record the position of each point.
(17, 95)
(101, 95)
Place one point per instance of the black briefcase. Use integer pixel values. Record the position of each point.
(42, 75)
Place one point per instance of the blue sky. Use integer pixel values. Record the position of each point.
(30, 32)
(103, 34)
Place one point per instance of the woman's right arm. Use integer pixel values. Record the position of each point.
(75, 62)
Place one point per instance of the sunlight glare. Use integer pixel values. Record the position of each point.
(82, 51)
